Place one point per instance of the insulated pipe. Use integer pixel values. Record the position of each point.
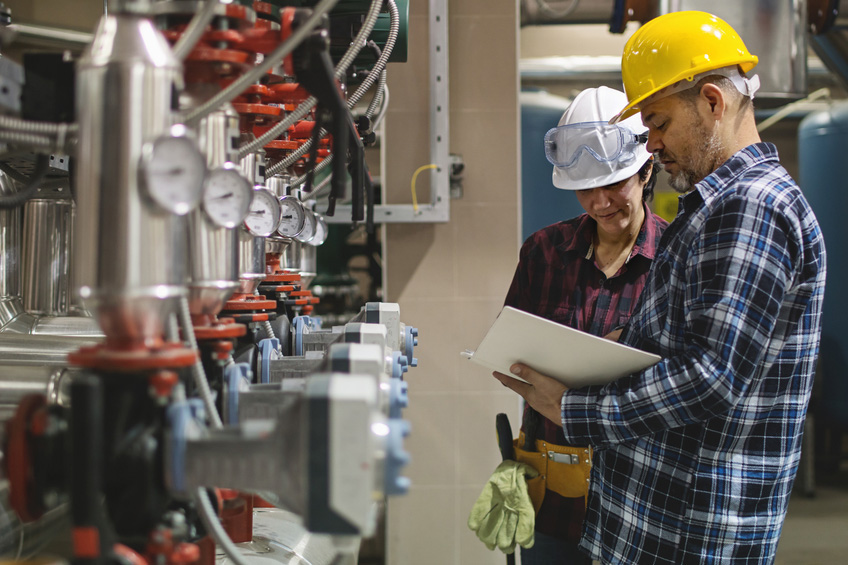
(546, 12)
(213, 249)
(10, 258)
(46, 256)
(130, 255)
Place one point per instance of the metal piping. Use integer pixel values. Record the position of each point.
(30, 35)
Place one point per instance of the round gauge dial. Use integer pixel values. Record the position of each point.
(172, 171)
(321, 231)
(293, 217)
(227, 196)
(264, 215)
(309, 223)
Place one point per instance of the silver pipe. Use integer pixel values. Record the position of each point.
(213, 250)
(46, 256)
(544, 12)
(129, 255)
(39, 350)
(10, 244)
(195, 29)
(197, 371)
(251, 261)
(209, 517)
(44, 36)
(19, 381)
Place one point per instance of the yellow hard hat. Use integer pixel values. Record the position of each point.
(677, 46)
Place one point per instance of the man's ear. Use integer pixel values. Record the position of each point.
(715, 99)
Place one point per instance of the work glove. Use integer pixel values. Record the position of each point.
(503, 514)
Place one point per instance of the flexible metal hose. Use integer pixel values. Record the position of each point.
(195, 29)
(29, 126)
(381, 63)
(213, 526)
(307, 105)
(268, 329)
(369, 81)
(197, 371)
(270, 61)
(378, 96)
(384, 106)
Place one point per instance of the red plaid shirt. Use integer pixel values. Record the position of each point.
(557, 278)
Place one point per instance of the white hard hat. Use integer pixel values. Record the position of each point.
(587, 151)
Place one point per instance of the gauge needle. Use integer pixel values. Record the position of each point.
(171, 172)
(227, 195)
(257, 212)
(288, 217)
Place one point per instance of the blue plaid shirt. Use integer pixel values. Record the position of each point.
(697, 454)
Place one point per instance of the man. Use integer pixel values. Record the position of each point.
(695, 456)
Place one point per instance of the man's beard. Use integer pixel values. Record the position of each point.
(703, 160)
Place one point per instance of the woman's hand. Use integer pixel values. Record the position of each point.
(542, 393)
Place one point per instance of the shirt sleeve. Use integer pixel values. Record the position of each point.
(736, 277)
(518, 294)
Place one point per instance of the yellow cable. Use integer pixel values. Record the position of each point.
(414, 177)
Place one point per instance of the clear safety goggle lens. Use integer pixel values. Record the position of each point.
(565, 145)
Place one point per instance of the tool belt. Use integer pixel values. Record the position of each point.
(562, 469)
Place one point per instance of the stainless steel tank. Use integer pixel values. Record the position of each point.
(275, 244)
(773, 30)
(48, 225)
(129, 254)
(251, 248)
(213, 250)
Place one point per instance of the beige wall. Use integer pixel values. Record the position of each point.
(450, 279)
(81, 15)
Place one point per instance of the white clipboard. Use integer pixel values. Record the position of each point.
(571, 356)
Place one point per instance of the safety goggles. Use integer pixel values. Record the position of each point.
(567, 146)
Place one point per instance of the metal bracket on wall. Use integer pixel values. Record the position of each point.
(438, 209)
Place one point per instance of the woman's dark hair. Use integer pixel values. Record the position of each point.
(648, 173)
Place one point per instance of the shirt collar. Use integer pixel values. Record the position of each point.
(717, 181)
(646, 241)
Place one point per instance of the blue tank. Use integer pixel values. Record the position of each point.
(542, 204)
(822, 143)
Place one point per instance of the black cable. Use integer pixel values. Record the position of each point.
(313, 156)
(42, 164)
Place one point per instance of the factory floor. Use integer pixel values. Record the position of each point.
(816, 528)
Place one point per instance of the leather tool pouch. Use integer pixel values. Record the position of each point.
(562, 469)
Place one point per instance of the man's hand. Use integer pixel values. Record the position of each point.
(542, 393)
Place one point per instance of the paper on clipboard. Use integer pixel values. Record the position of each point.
(571, 356)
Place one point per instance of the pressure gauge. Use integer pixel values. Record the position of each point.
(293, 217)
(227, 196)
(309, 223)
(321, 231)
(172, 170)
(264, 216)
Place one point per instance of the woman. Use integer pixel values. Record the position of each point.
(586, 273)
